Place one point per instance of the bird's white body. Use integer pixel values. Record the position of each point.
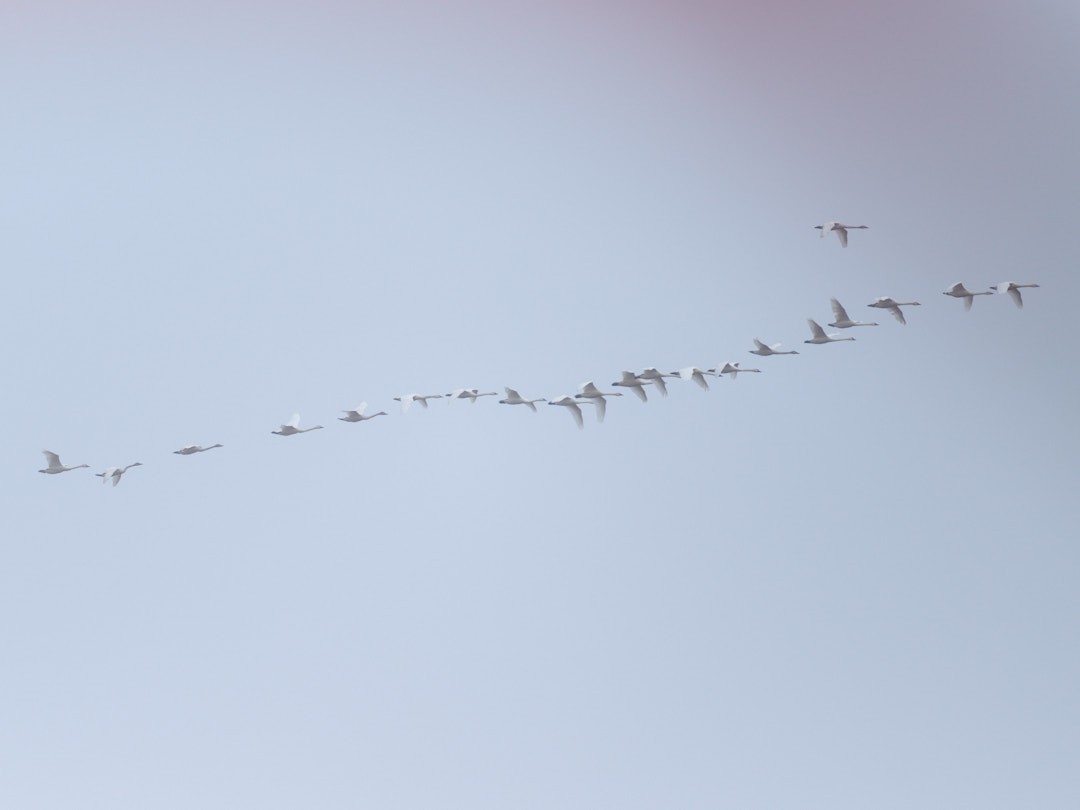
(54, 466)
(697, 375)
(958, 290)
(768, 351)
(191, 449)
(407, 400)
(840, 230)
(893, 306)
(590, 392)
(657, 377)
(572, 405)
(115, 473)
(292, 427)
(819, 336)
(1013, 289)
(733, 370)
(514, 398)
(842, 320)
(634, 383)
(358, 415)
(470, 394)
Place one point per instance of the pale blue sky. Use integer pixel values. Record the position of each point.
(847, 582)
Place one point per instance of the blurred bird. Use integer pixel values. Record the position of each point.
(55, 466)
(840, 230)
(894, 307)
(819, 335)
(358, 415)
(115, 473)
(292, 427)
(1013, 289)
(842, 319)
(958, 290)
(194, 448)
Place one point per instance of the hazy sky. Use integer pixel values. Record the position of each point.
(847, 582)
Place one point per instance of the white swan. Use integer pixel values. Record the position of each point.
(571, 404)
(407, 400)
(514, 398)
(292, 427)
(634, 383)
(819, 335)
(893, 306)
(591, 392)
(697, 375)
(656, 377)
(469, 393)
(839, 229)
(357, 414)
(1013, 289)
(767, 351)
(734, 371)
(958, 290)
(194, 448)
(115, 472)
(55, 466)
(842, 319)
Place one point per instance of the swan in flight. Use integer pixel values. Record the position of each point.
(571, 404)
(194, 448)
(656, 377)
(357, 415)
(469, 393)
(591, 392)
(1013, 289)
(115, 472)
(292, 427)
(634, 383)
(697, 375)
(893, 307)
(819, 335)
(734, 370)
(766, 351)
(514, 398)
(842, 319)
(958, 290)
(55, 466)
(839, 230)
(407, 400)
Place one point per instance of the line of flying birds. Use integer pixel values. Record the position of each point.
(591, 395)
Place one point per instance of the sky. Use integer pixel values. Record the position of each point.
(847, 581)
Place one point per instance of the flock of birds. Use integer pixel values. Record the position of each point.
(589, 394)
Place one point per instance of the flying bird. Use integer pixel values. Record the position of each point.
(1013, 289)
(292, 427)
(958, 290)
(734, 371)
(839, 229)
(469, 393)
(571, 404)
(842, 319)
(634, 383)
(591, 392)
(358, 415)
(407, 400)
(894, 307)
(697, 375)
(54, 465)
(819, 335)
(767, 351)
(115, 473)
(194, 448)
(656, 377)
(514, 398)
